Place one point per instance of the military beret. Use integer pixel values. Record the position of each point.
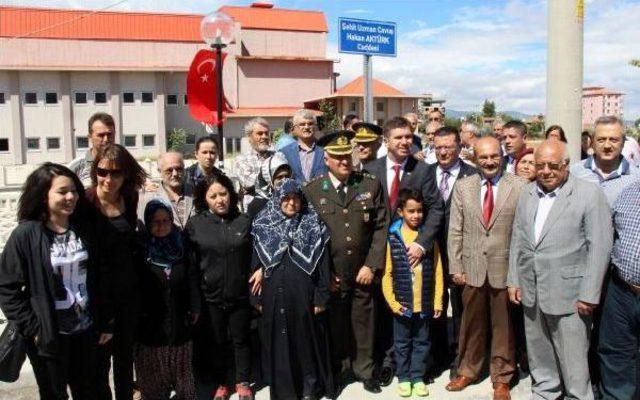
(337, 143)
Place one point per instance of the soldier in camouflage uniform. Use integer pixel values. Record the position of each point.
(353, 206)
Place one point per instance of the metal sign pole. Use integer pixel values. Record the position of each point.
(368, 88)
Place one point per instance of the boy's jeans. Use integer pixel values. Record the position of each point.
(412, 346)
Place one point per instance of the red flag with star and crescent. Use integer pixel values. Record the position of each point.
(202, 88)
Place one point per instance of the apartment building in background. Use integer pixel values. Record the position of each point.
(58, 67)
(598, 101)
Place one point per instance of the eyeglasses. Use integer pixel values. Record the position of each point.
(435, 119)
(102, 173)
(551, 166)
(304, 124)
(171, 170)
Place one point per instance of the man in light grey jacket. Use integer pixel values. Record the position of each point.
(560, 248)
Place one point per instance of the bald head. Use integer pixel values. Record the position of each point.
(551, 164)
(489, 156)
(171, 167)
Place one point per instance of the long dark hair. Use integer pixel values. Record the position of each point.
(200, 193)
(33, 205)
(563, 137)
(134, 174)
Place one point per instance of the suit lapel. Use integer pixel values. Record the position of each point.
(532, 209)
(503, 194)
(473, 198)
(318, 153)
(408, 169)
(562, 201)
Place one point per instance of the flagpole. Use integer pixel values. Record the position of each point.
(218, 48)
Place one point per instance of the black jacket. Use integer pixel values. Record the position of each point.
(221, 249)
(415, 176)
(166, 304)
(26, 283)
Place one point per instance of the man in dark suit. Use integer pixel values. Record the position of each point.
(448, 169)
(395, 171)
(515, 143)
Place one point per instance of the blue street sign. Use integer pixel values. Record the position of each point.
(359, 36)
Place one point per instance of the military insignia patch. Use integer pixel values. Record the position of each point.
(363, 196)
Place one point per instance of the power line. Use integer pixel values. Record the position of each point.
(46, 28)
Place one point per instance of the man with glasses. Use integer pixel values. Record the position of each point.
(304, 156)
(101, 132)
(444, 175)
(172, 189)
(247, 166)
(560, 248)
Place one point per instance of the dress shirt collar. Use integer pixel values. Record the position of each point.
(542, 194)
(623, 168)
(390, 164)
(454, 171)
(335, 181)
(495, 181)
(311, 148)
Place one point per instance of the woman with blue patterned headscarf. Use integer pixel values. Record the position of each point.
(289, 243)
(169, 306)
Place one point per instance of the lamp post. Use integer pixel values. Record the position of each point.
(217, 31)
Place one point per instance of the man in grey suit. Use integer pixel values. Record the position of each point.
(562, 238)
(482, 212)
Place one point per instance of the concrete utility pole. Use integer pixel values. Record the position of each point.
(564, 69)
(368, 88)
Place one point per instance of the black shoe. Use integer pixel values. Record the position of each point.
(385, 376)
(371, 386)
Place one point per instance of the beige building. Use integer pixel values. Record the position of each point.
(57, 67)
(388, 102)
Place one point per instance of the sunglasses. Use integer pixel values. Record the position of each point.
(434, 119)
(552, 166)
(102, 173)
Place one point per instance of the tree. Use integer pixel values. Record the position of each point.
(635, 63)
(330, 121)
(177, 139)
(489, 109)
(455, 122)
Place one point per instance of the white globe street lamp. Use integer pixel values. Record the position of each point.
(217, 31)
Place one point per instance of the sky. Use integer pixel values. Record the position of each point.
(464, 51)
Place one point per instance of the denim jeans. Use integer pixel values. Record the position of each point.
(412, 345)
(620, 342)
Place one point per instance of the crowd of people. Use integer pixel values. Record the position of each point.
(333, 259)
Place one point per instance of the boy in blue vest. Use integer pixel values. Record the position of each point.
(414, 294)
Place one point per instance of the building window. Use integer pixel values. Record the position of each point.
(191, 138)
(352, 106)
(82, 142)
(81, 98)
(129, 140)
(30, 98)
(147, 97)
(128, 98)
(148, 140)
(33, 143)
(4, 144)
(51, 98)
(186, 100)
(100, 98)
(172, 99)
(238, 145)
(380, 122)
(53, 143)
(2, 100)
(228, 145)
(379, 106)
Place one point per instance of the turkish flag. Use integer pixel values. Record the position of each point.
(202, 88)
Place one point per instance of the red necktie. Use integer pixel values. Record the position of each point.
(487, 206)
(395, 186)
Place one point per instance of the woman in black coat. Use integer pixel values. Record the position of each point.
(117, 178)
(289, 243)
(53, 283)
(219, 243)
(169, 306)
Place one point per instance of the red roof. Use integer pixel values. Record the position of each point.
(277, 19)
(46, 23)
(356, 88)
(265, 112)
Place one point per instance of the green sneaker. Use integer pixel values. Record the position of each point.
(404, 389)
(420, 389)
